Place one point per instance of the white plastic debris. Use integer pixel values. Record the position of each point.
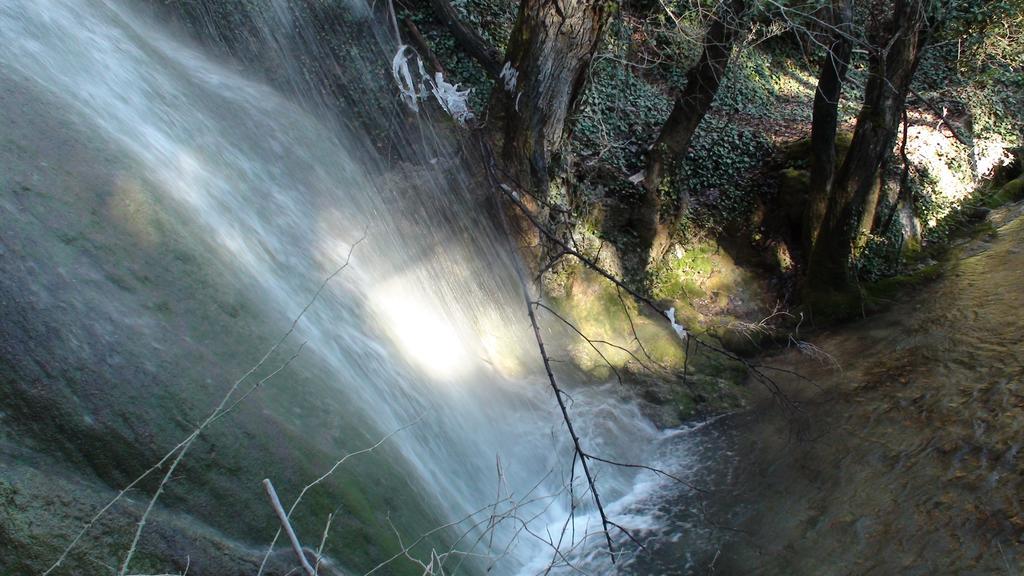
(671, 315)
(454, 101)
(509, 76)
(403, 77)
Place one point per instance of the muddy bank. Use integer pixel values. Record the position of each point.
(907, 458)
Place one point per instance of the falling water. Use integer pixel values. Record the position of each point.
(278, 177)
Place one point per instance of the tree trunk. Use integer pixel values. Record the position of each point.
(897, 32)
(866, 222)
(540, 84)
(691, 105)
(825, 119)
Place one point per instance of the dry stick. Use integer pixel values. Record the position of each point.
(323, 541)
(561, 404)
(324, 476)
(287, 526)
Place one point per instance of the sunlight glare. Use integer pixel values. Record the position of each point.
(419, 328)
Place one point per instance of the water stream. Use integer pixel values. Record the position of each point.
(267, 190)
(905, 455)
(174, 191)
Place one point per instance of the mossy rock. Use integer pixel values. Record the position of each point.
(794, 186)
(834, 306)
(1012, 191)
(888, 288)
(798, 154)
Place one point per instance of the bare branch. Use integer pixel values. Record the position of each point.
(657, 471)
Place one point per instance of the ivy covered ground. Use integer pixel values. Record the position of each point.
(730, 265)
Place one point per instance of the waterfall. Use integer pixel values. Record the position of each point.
(267, 166)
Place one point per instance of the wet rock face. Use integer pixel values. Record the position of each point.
(119, 330)
(90, 334)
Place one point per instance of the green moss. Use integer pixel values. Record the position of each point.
(887, 289)
(593, 306)
(1012, 191)
(794, 187)
(683, 275)
(798, 154)
(827, 306)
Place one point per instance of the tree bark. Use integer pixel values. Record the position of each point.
(540, 85)
(897, 31)
(825, 120)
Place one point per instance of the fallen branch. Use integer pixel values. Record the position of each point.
(275, 502)
(469, 40)
(942, 118)
(565, 412)
(421, 45)
(558, 391)
(324, 476)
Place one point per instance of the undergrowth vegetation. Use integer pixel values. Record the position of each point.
(753, 144)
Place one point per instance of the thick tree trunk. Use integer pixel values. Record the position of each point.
(691, 105)
(898, 33)
(825, 119)
(540, 84)
(866, 222)
(702, 82)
